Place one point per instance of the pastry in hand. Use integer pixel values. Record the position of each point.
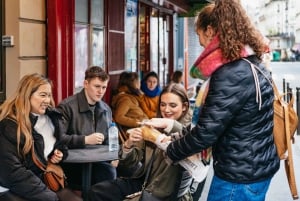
(150, 133)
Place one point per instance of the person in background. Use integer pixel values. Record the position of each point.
(126, 104)
(28, 118)
(164, 180)
(86, 119)
(237, 117)
(150, 87)
(177, 77)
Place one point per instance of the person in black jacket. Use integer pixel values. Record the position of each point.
(28, 119)
(86, 119)
(237, 116)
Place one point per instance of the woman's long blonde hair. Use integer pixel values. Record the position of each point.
(18, 107)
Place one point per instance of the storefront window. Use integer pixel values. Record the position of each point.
(131, 36)
(89, 37)
(81, 54)
(159, 44)
(97, 47)
(144, 38)
(154, 40)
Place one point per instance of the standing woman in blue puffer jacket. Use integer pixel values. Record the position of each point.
(236, 119)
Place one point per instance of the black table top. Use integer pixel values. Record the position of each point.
(91, 153)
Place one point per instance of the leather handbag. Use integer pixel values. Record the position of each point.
(54, 176)
(147, 196)
(285, 122)
(285, 125)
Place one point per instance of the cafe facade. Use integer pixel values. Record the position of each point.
(61, 38)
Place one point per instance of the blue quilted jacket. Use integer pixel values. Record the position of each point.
(231, 122)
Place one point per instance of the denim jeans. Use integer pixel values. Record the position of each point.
(221, 190)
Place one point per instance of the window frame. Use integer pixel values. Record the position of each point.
(91, 29)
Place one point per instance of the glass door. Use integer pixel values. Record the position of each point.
(144, 34)
(159, 41)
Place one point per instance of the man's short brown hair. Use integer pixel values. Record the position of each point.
(96, 71)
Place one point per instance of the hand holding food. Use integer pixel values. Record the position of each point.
(150, 133)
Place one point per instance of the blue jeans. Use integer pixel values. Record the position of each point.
(221, 190)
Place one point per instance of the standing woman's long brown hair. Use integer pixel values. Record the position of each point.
(233, 27)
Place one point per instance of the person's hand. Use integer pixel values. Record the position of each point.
(162, 141)
(159, 123)
(114, 163)
(135, 135)
(94, 138)
(57, 156)
(150, 133)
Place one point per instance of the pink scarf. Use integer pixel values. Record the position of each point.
(211, 59)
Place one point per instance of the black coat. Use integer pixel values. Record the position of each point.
(79, 120)
(241, 135)
(18, 173)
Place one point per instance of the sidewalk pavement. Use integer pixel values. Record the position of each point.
(279, 188)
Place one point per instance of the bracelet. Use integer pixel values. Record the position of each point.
(124, 145)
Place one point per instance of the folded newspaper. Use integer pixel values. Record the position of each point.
(193, 164)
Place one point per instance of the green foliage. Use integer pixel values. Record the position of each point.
(194, 10)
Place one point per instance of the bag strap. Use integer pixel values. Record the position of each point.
(258, 69)
(148, 170)
(272, 83)
(289, 164)
(122, 134)
(277, 96)
(36, 160)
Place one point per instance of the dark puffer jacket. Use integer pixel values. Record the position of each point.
(241, 135)
(20, 174)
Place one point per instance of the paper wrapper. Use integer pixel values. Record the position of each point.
(193, 164)
(150, 134)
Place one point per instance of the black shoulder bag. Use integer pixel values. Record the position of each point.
(145, 195)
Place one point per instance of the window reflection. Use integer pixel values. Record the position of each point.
(131, 36)
(89, 38)
(81, 54)
(98, 47)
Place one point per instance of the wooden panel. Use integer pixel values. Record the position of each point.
(115, 46)
(33, 9)
(116, 54)
(32, 43)
(116, 13)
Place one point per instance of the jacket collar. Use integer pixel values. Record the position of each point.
(33, 119)
(50, 112)
(83, 104)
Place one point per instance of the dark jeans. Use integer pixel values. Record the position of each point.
(63, 195)
(101, 171)
(8, 196)
(115, 189)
